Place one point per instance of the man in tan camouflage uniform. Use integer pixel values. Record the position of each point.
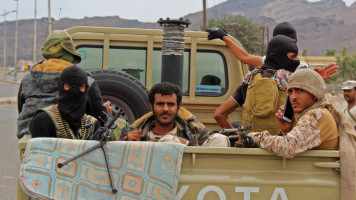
(314, 126)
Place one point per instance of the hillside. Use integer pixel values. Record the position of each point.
(328, 24)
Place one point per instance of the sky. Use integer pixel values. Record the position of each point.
(142, 10)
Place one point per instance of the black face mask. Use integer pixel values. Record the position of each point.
(282, 62)
(72, 102)
(277, 50)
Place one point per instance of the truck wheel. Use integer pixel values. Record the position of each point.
(123, 91)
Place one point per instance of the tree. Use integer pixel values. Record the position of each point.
(330, 52)
(248, 34)
(347, 64)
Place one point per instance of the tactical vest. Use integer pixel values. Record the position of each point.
(63, 129)
(39, 89)
(263, 100)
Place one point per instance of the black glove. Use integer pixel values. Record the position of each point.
(215, 33)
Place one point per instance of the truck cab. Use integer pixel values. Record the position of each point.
(210, 73)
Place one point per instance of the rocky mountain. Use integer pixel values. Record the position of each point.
(327, 24)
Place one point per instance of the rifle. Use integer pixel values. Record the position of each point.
(103, 135)
(241, 139)
(105, 132)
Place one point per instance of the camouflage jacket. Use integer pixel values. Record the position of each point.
(39, 89)
(188, 127)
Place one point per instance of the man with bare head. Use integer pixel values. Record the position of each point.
(170, 122)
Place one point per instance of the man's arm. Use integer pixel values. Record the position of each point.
(305, 135)
(95, 106)
(241, 54)
(42, 126)
(20, 99)
(221, 115)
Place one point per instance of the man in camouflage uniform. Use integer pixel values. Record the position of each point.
(39, 88)
(170, 122)
(314, 125)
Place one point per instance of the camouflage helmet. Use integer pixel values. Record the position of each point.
(60, 45)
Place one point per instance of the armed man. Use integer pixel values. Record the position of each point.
(263, 90)
(170, 122)
(283, 28)
(38, 88)
(67, 119)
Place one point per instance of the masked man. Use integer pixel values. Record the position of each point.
(67, 119)
(169, 122)
(283, 28)
(39, 88)
(263, 90)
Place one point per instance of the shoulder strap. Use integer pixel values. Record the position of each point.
(353, 117)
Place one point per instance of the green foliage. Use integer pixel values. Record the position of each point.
(247, 33)
(330, 52)
(347, 65)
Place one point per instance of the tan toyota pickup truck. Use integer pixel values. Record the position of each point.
(207, 173)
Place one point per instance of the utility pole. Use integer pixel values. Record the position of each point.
(204, 14)
(267, 33)
(263, 39)
(17, 27)
(5, 56)
(49, 18)
(35, 35)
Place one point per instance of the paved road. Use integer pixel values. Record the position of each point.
(8, 89)
(9, 154)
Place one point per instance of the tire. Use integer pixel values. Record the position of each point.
(123, 91)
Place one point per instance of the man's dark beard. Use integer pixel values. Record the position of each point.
(168, 123)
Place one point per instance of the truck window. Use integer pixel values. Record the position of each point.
(92, 57)
(129, 60)
(211, 73)
(211, 67)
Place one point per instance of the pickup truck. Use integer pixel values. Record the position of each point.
(126, 62)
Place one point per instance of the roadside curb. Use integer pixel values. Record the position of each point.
(15, 82)
(8, 100)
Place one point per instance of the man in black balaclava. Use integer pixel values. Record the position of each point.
(263, 90)
(283, 28)
(72, 88)
(67, 119)
(277, 54)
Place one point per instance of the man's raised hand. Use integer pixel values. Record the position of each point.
(215, 33)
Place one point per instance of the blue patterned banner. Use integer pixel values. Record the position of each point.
(141, 170)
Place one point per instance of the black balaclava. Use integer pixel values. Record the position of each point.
(285, 29)
(276, 57)
(72, 102)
